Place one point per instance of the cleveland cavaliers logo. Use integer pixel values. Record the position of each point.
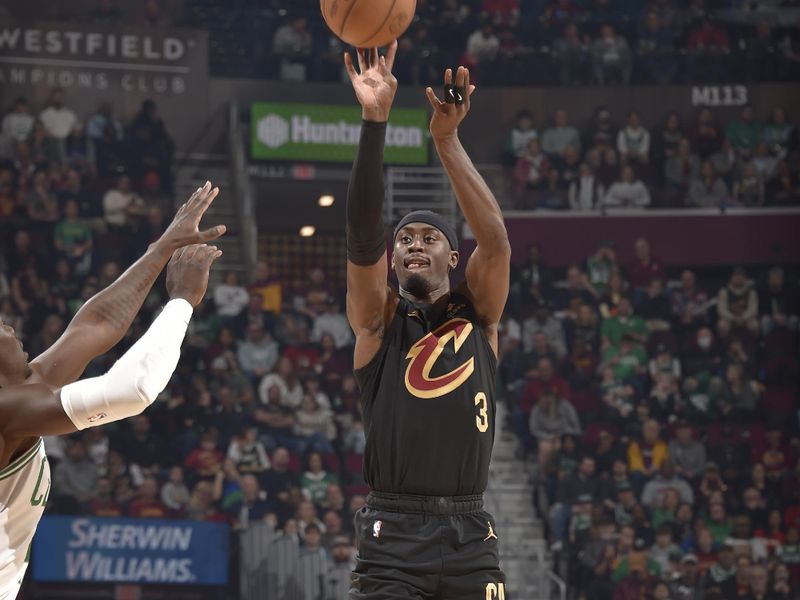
(424, 355)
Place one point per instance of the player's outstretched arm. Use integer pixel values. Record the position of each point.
(102, 322)
(487, 273)
(135, 380)
(367, 291)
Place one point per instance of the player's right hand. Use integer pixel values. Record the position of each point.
(373, 83)
(187, 272)
(185, 227)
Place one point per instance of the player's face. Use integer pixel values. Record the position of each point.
(13, 359)
(422, 258)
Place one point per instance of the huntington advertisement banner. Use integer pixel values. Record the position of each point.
(329, 133)
(142, 551)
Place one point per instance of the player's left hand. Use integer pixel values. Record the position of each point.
(185, 227)
(447, 116)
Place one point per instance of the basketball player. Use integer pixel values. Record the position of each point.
(425, 360)
(43, 397)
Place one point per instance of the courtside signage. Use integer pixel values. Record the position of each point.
(329, 133)
(143, 551)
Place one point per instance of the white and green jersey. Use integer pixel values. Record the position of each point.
(24, 488)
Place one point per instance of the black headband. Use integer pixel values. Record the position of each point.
(430, 218)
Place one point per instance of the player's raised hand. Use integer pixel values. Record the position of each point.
(448, 114)
(373, 83)
(187, 272)
(185, 227)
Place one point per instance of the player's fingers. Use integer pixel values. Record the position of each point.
(207, 199)
(203, 191)
(448, 76)
(466, 80)
(460, 77)
(373, 57)
(436, 104)
(212, 233)
(362, 60)
(348, 65)
(390, 54)
(191, 251)
(176, 256)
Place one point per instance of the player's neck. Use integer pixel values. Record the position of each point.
(432, 297)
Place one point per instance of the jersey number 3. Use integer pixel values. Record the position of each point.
(482, 418)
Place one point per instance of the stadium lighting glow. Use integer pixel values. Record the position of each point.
(326, 200)
(307, 230)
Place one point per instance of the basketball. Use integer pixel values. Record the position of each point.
(368, 23)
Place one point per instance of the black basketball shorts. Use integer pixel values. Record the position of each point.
(426, 548)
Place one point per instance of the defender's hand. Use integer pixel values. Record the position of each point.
(374, 84)
(187, 272)
(184, 229)
(446, 117)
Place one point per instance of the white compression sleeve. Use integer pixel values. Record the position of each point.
(136, 379)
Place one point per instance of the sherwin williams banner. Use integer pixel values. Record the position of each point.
(141, 551)
(329, 133)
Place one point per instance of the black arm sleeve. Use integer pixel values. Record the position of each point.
(366, 241)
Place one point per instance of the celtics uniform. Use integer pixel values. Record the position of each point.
(429, 417)
(24, 488)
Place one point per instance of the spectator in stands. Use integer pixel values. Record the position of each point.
(778, 305)
(784, 189)
(611, 57)
(521, 134)
(689, 303)
(601, 265)
(503, 13)
(315, 481)
(103, 119)
(680, 169)
(258, 353)
(737, 305)
(18, 123)
(748, 189)
(779, 135)
(73, 239)
(737, 396)
(74, 478)
(290, 390)
(665, 141)
(577, 292)
(765, 164)
(706, 136)
(174, 493)
(57, 119)
(103, 503)
(627, 359)
(556, 139)
(629, 191)
(624, 323)
(151, 147)
(205, 460)
(708, 190)
(153, 17)
(306, 515)
(586, 192)
(532, 169)
(571, 51)
(553, 195)
(332, 322)
(688, 454)
(532, 280)
(483, 46)
(78, 150)
(41, 204)
(147, 504)
(655, 307)
(707, 45)
(568, 167)
(314, 426)
(558, 13)
(552, 418)
(744, 133)
(123, 208)
(292, 45)
(666, 480)
(583, 481)
(542, 321)
(633, 142)
(231, 298)
(656, 50)
(248, 453)
(646, 456)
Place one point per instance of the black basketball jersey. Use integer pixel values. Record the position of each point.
(428, 402)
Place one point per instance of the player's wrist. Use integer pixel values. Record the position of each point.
(375, 114)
